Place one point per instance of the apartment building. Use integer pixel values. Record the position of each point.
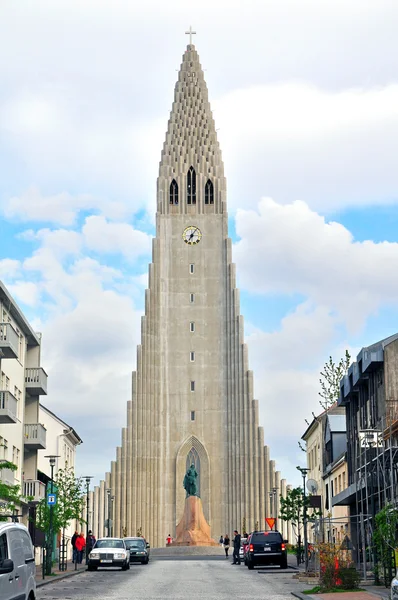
(22, 381)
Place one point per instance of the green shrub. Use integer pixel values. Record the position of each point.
(349, 578)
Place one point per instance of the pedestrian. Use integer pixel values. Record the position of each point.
(221, 540)
(73, 542)
(80, 545)
(226, 544)
(169, 539)
(90, 543)
(236, 554)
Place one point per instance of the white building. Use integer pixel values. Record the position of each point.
(62, 441)
(22, 382)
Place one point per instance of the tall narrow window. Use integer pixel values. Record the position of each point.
(191, 186)
(192, 386)
(192, 415)
(192, 298)
(192, 356)
(191, 269)
(192, 326)
(173, 192)
(209, 192)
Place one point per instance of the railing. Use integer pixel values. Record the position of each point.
(8, 407)
(36, 380)
(9, 340)
(35, 435)
(35, 489)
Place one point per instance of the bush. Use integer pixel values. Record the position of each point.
(349, 578)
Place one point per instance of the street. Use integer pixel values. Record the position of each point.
(176, 579)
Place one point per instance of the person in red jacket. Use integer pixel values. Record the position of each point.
(80, 545)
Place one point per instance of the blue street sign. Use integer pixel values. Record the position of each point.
(51, 499)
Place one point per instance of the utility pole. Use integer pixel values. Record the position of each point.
(304, 471)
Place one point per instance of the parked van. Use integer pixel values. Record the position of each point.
(17, 563)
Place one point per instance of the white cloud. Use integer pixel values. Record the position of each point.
(332, 148)
(9, 268)
(26, 292)
(61, 209)
(112, 238)
(302, 253)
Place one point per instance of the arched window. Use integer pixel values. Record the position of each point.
(173, 192)
(193, 459)
(191, 186)
(209, 192)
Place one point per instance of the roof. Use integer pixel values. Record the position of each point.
(69, 431)
(337, 423)
(12, 307)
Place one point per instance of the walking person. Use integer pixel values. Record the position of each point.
(80, 545)
(73, 542)
(90, 542)
(169, 539)
(226, 544)
(221, 540)
(236, 555)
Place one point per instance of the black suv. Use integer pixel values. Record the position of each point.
(266, 548)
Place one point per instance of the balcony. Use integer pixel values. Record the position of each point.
(8, 407)
(34, 490)
(36, 381)
(9, 341)
(7, 476)
(35, 436)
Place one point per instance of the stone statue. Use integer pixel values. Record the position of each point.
(190, 481)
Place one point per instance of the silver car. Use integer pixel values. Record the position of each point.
(17, 563)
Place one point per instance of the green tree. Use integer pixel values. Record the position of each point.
(330, 380)
(292, 509)
(70, 503)
(9, 494)
(385, 539)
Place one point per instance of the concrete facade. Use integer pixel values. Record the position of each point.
(192, 392)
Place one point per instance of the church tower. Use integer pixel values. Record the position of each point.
(192, 393)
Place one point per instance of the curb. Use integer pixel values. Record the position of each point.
(50, 579)
(301, 596)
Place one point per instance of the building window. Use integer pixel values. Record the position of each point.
(343, 480)
(192, 356)
(192, 326)
(173, 192)
(192, 386)
(209, 192)
(192, 415)
(191, 269)
(191, 186)
(192, 298)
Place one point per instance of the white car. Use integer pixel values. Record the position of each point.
(394, 588)
(109, 552)
(17, 563)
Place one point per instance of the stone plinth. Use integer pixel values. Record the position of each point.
(193, 529)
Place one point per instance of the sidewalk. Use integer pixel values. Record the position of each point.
(371, 593)
(57, 574)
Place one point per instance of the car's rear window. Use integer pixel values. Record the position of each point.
(266, 536)
(134, 543)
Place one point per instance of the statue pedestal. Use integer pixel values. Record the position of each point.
(193, 529)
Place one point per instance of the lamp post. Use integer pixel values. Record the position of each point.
(108, 493)
(49, 558)
(87, 478)
(274, 491)
(304, 471)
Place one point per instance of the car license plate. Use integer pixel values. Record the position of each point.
(267, 549)
(106, 560)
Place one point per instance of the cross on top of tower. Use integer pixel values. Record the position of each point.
(190, 33)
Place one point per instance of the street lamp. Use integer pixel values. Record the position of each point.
(274, 491)
(52, 458)
(304, 471)
(108, 493)
(87, 478)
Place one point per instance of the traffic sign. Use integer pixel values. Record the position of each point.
(52, 499)
(270, 522)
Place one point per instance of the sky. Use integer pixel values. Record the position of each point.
(305, 99)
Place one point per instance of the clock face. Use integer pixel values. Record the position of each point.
(192, 235)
